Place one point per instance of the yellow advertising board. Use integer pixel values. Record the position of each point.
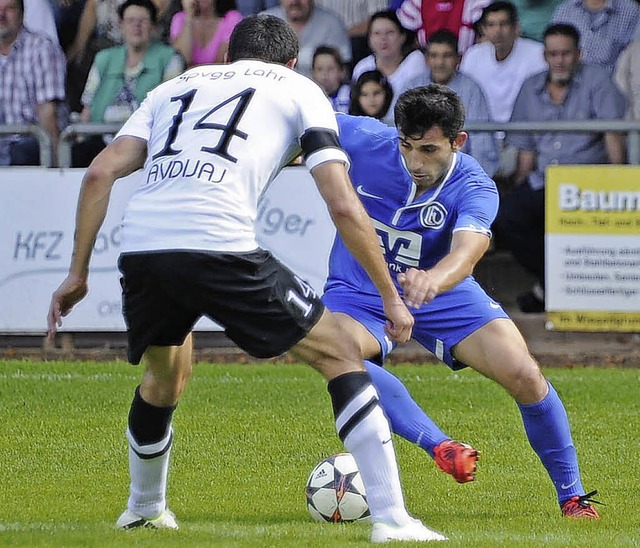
(593, 248)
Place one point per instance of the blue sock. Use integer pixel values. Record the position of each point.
(547, 427)
(406, 418)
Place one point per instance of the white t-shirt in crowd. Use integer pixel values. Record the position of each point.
(501, 80)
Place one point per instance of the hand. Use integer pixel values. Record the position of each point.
(71, 291)
(419, 287)
(399, 321)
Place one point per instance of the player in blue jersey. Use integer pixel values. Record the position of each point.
(432, 207)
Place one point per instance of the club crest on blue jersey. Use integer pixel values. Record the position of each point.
(433, 215)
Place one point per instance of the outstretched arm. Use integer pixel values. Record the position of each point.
(357, 233)
(422, 286)
(122, 157)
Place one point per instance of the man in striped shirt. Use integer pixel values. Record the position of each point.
(32, 75)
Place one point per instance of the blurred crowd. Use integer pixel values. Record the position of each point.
(65, 61)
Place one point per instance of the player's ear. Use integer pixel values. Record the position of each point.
(291, 63)
(459, 141)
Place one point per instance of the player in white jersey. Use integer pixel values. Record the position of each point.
(210, 141)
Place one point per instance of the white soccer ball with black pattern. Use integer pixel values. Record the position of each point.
(335, 491)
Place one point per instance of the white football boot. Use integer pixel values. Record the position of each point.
(413, 530)
(131, 520)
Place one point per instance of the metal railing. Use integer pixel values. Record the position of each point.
(630, 127)
(68, 135)
(44, 141)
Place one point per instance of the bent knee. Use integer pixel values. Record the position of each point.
(526, 383)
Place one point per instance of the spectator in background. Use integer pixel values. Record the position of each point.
(567, 90)
(443, 58)
(457, 16)
(500, 64)
(627, 77)
(606, 27)
(328, 72)
(355, 14)
(371, 95)
(315, 27)
(121, 76)
(201, 31)
(535, 16)
(394, 55)
(98, 29)
(32, 73)
(503, 61)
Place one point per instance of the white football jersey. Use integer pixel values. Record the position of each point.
(216, 136)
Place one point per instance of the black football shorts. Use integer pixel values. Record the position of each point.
(264, 307)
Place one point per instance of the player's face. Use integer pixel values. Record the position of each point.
(385, 38)
(371, 98)
(297, 11)
(10, 20)
(442, 60)
(327, 73)
(136, 26)
(563, 56)
(429, 157)
(500, 31)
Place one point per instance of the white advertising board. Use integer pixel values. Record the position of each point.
(37, 216)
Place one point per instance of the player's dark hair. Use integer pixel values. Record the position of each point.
(264, 37)
(563, 29)
(500, 5)
(356, 90)
(146, 4)
(422, 108)
(327, 50)
(444, 36)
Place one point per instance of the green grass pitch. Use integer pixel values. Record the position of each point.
(247, 437)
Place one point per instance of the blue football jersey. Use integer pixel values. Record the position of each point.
(413, 232)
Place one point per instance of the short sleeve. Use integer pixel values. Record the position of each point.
(140, 122)
(478, 208)
(318, 126)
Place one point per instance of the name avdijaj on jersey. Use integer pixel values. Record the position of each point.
(172, 169)
(211, 74)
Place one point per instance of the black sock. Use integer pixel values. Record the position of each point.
(148, 423)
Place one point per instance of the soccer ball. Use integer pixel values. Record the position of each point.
(335, 491)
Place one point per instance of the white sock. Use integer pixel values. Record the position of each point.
(148, 468)
(376, 460)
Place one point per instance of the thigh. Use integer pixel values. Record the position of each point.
(363, 316)
(498, 351)
(453, 316)
(329, 349)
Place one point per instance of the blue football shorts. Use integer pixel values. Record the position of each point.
(439, 325)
